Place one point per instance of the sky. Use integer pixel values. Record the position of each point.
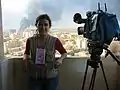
(16, 13)
(12, 12)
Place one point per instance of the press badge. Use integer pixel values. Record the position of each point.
(40, 56)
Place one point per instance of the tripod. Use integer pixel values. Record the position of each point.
(94, 62)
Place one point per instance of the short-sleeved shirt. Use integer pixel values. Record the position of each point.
(58, 46)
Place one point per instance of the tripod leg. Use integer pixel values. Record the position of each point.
(93, 79)
(101, 64)
(85, 76)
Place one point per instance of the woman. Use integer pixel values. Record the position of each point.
(39, 56)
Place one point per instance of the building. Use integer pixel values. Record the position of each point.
(30, 31)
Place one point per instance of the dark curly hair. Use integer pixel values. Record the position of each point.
(43, 16)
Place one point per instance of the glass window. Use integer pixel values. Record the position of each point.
(19, 23)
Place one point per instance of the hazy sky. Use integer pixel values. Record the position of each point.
(61, 11)
(12, 12)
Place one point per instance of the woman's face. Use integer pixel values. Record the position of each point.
(43, 26)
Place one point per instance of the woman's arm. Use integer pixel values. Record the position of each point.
(26, 54)
(60, 60)
(61, 50)
(63, 56)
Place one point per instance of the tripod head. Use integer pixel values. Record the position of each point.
(96, 49)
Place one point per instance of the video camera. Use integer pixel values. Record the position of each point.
(100, 26)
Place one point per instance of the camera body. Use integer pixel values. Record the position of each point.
(99, 26)
(87, 29)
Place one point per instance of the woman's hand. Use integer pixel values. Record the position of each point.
(26, 58)
(58, 63)
(60, 60)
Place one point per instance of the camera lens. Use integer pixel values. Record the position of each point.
(80, 30)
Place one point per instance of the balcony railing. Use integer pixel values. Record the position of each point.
(13, 77)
